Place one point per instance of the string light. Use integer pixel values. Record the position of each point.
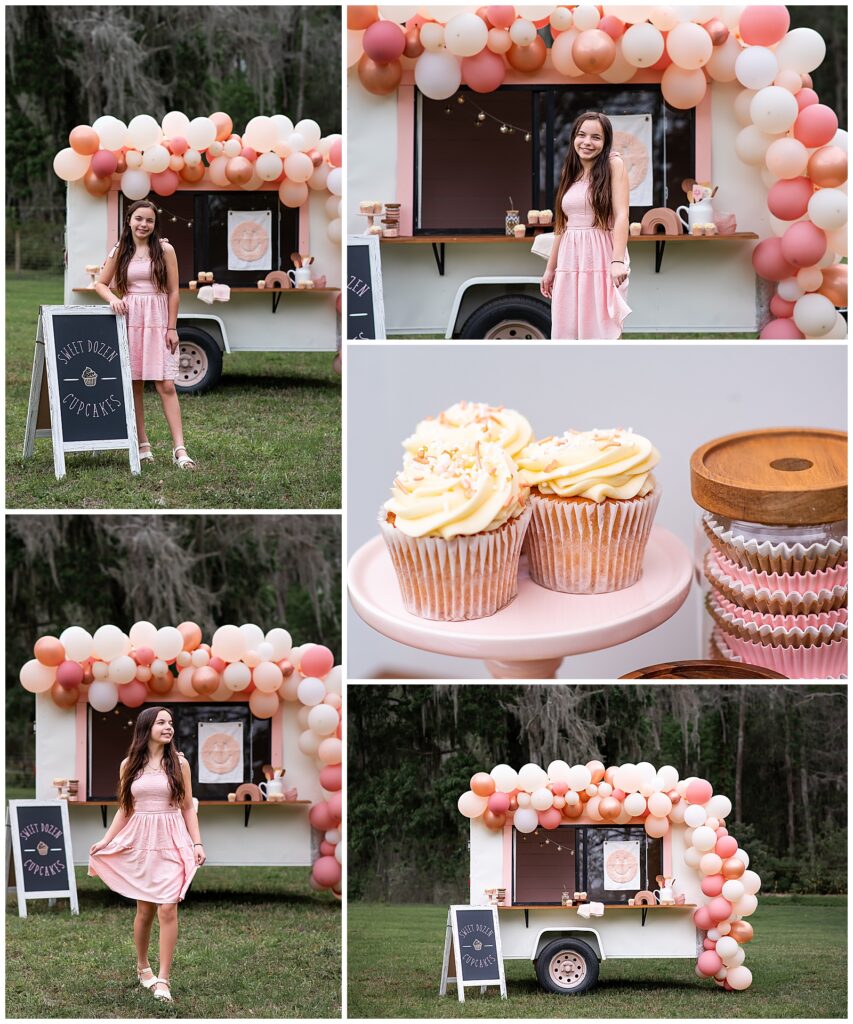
(173, 217)
(506, 128)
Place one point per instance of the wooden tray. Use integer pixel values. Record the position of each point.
(703, 670)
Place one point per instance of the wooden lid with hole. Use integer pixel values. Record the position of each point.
(789, 476)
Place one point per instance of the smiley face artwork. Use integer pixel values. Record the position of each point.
(249, 240)
(220, 752)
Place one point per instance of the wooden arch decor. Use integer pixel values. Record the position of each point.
(276, 279)
(660, 217)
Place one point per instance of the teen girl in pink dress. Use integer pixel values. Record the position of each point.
(144, 269)
(153, 847)
(587, 273)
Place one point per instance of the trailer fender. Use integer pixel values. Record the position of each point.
(486, 284)
(589, 935)
(209, 322)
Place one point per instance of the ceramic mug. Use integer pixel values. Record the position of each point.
(300, 276)
(664, 896)
(271, 789)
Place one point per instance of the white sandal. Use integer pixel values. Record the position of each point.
(166, 996)
(145, 456)
(182, 461)
(146, 982)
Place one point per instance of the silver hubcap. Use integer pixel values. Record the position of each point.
(514, 330)
(567, 969)
(192, 363)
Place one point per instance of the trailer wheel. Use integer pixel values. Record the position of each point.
(199, 361)
(567, 967)
(509, 317)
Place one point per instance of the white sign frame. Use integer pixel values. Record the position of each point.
(44, 359)
(377, 297)
(69, 893)
(451, 941)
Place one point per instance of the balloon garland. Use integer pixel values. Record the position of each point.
(147, 664)
(145, 156)
(656, 798)
(787, 133)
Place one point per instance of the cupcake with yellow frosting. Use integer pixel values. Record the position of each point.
(594, 499)
(469, 422)
(454, 527)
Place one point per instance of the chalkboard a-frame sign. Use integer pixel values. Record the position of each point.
(365, 302)
(472, 950)
(81, 394)
(41, 849)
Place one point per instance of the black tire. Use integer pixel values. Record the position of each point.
(567, 967)
(200, 364)
(512, 317)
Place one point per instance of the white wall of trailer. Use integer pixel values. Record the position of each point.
(304, 322)
(279, 836)
(701, 287)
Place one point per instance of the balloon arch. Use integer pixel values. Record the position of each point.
(656, 798)
(787, 134)
(147, 664)
(145, 156)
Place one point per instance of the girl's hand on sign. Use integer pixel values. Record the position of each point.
(118, 306)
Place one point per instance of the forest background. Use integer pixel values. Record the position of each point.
(778, 752)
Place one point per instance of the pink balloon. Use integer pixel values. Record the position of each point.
(724, 831)
(326, 870)
(104, 163)
(699, 791)
(803, 244)
(778, 307)
(788, 198)
(165, 183)
(816, 125)
(560, 788)
(327, 849)
(320, 817)
(501, 17)
(69, 674)
(807, 98)
(144, 656)
(777, 330)
(726, 847)
(719, 908)
(331, 777)
(763, 26)
(770, 263)
(612, 26)
(702, 919)
(709, 962)
(318, 661)
(484, 72)
(712, 885)
(178, 145)
(550, 819)
(335, 804)
(336, 153)
(133, 694)
(499, 803)
(384, 41)
(247, 153)
(707, 943)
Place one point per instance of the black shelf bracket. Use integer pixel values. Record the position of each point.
(438, 252)
(659, 248)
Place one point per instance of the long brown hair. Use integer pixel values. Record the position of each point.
(127, 250)
(137, 758)
(600, 193)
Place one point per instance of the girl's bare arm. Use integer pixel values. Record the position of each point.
(105, 278)
(174, 295)
(619, 186)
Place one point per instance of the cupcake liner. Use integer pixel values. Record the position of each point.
(828, 661)
(785, 594)
(776, 630)
(461, 578)
(587, 547)
(770, 557)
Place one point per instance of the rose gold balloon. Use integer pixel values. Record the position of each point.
(717, 30)
(96, 186)
(513, 802)
(609, 808)
(161, 685)
(493, 820)
(316, 157)
(742, 932)
(205, 681)
(63, 698)
(414, 46)
(528, 58)
(834, 285)
(734, 867)
(238, 170)
(674, 795)
(192, 174)
(593, 51)
(573, 810)
(49, 651)
(88, 677)
(597, 770)
(380, 79)
(827, 167)
(286, 668)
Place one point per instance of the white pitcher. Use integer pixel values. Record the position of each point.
(664, 896)
(697, 213)
(272, 789)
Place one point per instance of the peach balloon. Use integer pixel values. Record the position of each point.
(528, 58)
(361, 17)
(834, 285)
(49, 651)
(380, 79)
(482, 784)
(223, 124)
(84, 140)
(827, 167)
(683, 89)
(593, 51)
(191, 634)
(596, 769)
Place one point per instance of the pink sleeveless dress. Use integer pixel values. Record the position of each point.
(147, 320)
(152, 858)
(585, 304)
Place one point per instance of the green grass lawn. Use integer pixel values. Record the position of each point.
(254, 942)
(268, 436)
(798, 959)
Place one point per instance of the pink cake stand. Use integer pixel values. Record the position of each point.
(530, 637)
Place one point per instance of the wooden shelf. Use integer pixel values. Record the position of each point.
(247, 805)
(607, 906)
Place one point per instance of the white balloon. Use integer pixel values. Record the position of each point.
(505, 778)
(828, 209)
(789, 289)
(559, 771)
(111, 131)
(741, 106)
(77, 643)
(579, 777)
(541, 799)
(801, 50)
(751, 144)
(746, 905)
(721, 66)
(525, 819)
(756, 67)
(839, 331)
(110, 642)
(432, 37)
(733, 890)
(465, 35)
(168, 642)
(335, 181)
(103, 696)
(642, 45)
(143, 131)
(155, 159)
(135, 184)
(751, 882)
(175, 124)
(720, 806)
(522, 31)
(667, 777)
(201, 132)
(438, 75)
(283, 126)
(634, 804)
(814, 315)
(532, 777)
(334, 229)
(620, 70)
(704, 839)
(774, 109)
(585, 17)
(260, 134)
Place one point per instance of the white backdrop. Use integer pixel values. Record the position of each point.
(679, 396)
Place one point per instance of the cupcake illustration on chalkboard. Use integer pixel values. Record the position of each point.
(90, 378)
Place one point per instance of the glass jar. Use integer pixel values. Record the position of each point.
(512, 218)
(771, 550)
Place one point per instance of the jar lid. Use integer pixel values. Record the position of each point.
(703, 670)
(787, 476)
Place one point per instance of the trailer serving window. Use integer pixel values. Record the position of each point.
(467, 168)
(196, 223)
(611, 863)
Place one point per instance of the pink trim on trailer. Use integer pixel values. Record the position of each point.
(507, 861)
(81, 759)
(112, 220)
(667, 852)
(703, 138)
(277, 738)
(406, 154)
(304, 230)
